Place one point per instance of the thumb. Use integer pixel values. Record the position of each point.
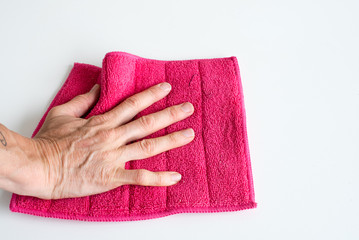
(80, 104)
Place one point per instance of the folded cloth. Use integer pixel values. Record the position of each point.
(215, 166)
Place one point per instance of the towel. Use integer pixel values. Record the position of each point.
(215, 166)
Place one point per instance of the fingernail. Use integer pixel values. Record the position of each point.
(176, 177)
(165, 86)
(188, 132)
(186, 107)
(94, 87)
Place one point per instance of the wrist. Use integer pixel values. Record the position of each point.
(17, 155)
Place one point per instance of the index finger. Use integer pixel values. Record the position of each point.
(131, 106)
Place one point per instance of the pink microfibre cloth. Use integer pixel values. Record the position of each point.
(215, 165)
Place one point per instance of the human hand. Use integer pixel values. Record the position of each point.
(79, 157)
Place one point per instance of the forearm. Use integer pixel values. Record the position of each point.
(16, 154)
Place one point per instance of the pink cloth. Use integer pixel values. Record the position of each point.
(215, 166)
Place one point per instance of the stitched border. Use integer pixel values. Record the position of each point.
(137, 217)
(244, 130)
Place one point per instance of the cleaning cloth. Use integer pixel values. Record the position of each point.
(215, 166)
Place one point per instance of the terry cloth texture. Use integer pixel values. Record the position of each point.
(215, 166)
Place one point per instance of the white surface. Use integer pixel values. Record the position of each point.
(299, 63)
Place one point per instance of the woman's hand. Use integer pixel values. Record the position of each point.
(74, 157)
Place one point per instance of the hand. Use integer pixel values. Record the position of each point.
(80, 157)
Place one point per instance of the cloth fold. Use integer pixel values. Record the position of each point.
(215, 166)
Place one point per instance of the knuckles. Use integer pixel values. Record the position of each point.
(172, 138)
(97, 120)
(147, 146)
(54, 111)
(82, 99)
(141, 177)
(155, 93)
(173, 113)
(147, 122)
(107, 135)
(133, 102)
(144, 177)
(160, 180)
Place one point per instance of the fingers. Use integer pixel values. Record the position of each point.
(125, 111)
(152, 146)
(79, 105)
(147, 178)
(151, 123)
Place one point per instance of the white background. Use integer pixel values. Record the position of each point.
(299, 62)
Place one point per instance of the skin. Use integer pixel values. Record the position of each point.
(73, 157)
